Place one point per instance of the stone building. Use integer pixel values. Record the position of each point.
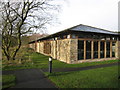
(80, 43)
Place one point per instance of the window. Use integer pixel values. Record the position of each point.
(73, 36)
(108, 38)
(113, 49)
(95, 49)
(64, 36)
(88, 49)
(113, 38)
(68, 36)
(101, 49)
(107, 49)
(80, 36)
(80, 49)
(55, 38)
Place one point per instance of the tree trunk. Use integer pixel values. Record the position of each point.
(19, 45)
(7, 56)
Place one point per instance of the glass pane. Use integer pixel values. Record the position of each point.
(88, 49)
(80, 49)
(113, 49)
(101, 49)
(107, 49)
(95, 49)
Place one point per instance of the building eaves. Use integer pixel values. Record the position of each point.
(79, 28)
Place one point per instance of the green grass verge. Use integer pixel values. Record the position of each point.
(41, 61)
(95, 78)
(8, 81)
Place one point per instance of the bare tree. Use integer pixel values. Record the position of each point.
(20, 18)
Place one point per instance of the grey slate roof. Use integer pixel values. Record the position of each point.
(86, 28)
(80, 28)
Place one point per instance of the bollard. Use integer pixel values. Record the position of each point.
(50, 64)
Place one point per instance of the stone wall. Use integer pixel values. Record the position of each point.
(32, 45)
(74, 51)
(63, 50)
(66, 50)
(60, 49)
(37, 47)
(117, 49)
(53, 49)
(41, 47)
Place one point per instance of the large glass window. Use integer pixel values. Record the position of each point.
(101, 49)
(110, 49)
(95, 49)
(107, 49)
(88, 49)
(113, 49)
(80, 49)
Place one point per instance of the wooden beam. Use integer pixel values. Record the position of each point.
(105, 50)
(92, 49)
(110, 49)
(84, 49)
(94, 39)
(98, 49)
(116, 50)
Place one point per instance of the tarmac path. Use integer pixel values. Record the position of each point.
(34, 78)
(30, 78)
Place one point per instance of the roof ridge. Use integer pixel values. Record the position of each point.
(70, 29)
(98, 28)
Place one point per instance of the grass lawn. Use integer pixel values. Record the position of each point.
(102, 77)
(41, 61)
(95, 78)
(8, 81)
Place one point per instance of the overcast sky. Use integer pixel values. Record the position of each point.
(97, 13)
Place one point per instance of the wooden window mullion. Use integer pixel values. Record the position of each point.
(84, 49)
(111, 49)
(105, 49)
(92, 49)
(99, 49)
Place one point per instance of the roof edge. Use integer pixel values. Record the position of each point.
(67, 29)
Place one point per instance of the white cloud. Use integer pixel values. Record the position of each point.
(98, 13)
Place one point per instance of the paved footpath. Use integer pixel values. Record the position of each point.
(34, 78)
(30, 78)
(81, 68)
